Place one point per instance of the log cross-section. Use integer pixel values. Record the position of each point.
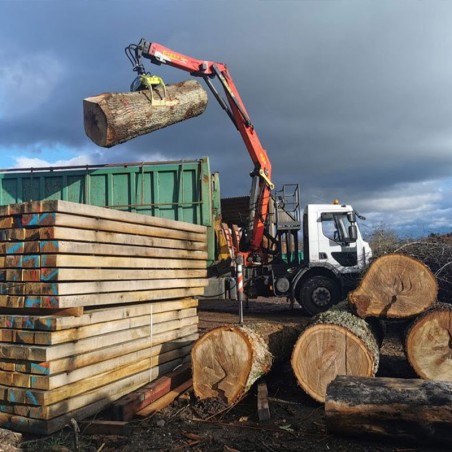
(334, 343)
(428, 343)
(395, 286)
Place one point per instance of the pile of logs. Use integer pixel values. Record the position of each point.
(335, 357)
(343, 341)
(227, 360)
(94, 303)
(398, 287)
(346, 339)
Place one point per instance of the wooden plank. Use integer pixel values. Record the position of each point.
(7, 222)
(52, 206)
(49, 382)
(74, 318)
(47, 404)
(81, 222)
(102, 249)
(22, 274)
(60, 408)
(28, 425)
(165, 400)
(96, 274)
(96, 236)
(59, 367)
(43, 353)
(105, 427)
(30, 247)
(73, 301)
(95, 287)
(74, 334)
(76, 261)
(125, 408)
(40, 427)
(263, 410)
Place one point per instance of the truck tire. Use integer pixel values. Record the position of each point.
(318, 294)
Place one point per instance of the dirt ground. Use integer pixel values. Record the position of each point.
(297, 422)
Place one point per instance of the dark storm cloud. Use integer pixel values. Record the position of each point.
(350, 98)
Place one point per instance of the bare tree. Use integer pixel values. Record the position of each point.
(383, 240)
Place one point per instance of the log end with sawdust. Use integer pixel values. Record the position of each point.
(395, 286)
(227, 360)
(114, 118)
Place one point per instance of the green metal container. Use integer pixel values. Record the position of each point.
(182, 190)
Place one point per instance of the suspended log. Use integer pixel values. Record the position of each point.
(227, 360)
(405, 409)
(334, 343)
(114, 118)
(395, 286)
(428, 344)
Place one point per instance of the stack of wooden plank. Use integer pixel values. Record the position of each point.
(94, 303)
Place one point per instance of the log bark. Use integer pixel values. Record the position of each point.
(227, 360)
(395, 286)
(428, 343)
(334, 343)
(405, 409)
(114, 118)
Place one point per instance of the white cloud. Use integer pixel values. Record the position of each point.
(27, 83)
(122, 154)
(30, 162)
(412, 209)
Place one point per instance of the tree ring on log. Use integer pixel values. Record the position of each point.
(394, 286)
(221, 365)
(428, 343)
(336, 343)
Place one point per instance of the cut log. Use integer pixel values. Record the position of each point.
(334, 343)
(227, 360)
(113, 118)
(395, 286)
(428, 344)
(406, 409)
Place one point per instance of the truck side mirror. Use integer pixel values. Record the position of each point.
(352, 233)
(351, 216)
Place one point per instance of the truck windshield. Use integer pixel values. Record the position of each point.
(335, 226)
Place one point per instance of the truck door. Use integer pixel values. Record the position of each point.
(336, 246)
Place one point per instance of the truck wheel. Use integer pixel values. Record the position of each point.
(317, 294)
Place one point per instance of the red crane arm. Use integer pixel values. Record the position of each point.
(159, 54)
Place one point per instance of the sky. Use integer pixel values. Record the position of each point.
(352, 99)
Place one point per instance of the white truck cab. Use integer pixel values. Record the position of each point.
(334, 238)
(334, 256)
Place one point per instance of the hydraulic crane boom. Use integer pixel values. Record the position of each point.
(234, 107)
(332, 263)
